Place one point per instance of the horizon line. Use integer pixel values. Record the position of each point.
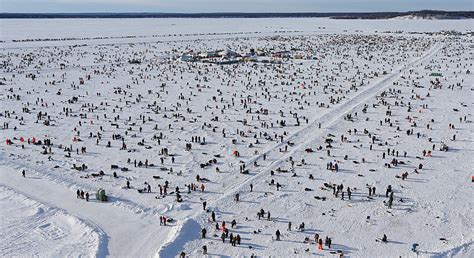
(231, 12)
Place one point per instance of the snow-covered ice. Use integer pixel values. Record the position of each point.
(314, 109)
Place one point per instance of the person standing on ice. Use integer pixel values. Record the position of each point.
(223, 237)
(389, 189)
(390, 200)
(203, 233)
(213, 216)
(277, 234)
(327, 242)
(231, 239)
(23, 173)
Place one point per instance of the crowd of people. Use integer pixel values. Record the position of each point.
(260, 132)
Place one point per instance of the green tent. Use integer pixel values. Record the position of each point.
(100, 195)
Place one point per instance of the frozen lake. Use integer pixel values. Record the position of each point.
(20, 29)
(335, 130)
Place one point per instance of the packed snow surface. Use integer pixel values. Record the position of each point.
(30, 228)
(273, 124)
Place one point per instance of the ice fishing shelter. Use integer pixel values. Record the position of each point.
(100, 195)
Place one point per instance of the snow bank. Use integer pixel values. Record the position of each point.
(30, 228)
(181, 234)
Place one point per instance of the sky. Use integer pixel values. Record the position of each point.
(196, 6)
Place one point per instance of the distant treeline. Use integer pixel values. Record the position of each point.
(365, 15)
